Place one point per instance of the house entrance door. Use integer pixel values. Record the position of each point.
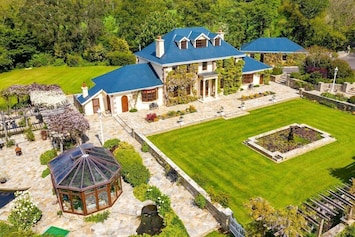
(95, 104)
(108, 99)
(124, 103)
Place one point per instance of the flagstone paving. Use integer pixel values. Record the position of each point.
(25, 171)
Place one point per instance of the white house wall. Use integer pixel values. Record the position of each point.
(256, 79)
(139, 105)
(88, 108)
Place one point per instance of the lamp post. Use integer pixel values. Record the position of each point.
(101, 129)
(335, 75)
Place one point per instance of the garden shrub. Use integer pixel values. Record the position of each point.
(24, 213)
(173, 226)
(133, 110)
(8, 230)
(151, 117)
(45, 172)
(296, 75)
(133, 170)
(112, 144)
(277, 70)
(10, 142)
(47, 156)
(352, 99)
(29, 135)
(200, 201)
(99, 217)
(145, 147)
(139, 192)
(219, 197)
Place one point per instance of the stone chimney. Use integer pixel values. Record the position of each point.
(159, 47)
(221, 34)
(85, 90)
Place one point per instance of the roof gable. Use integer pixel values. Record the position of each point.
(173, 55)
(126, 78)
(272, 45)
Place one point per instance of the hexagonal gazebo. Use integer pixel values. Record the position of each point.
(86, 179)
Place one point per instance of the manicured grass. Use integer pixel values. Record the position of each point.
(214, 152)
(69, 79)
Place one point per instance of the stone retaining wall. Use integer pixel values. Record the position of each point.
(345, 106)
(221, 214)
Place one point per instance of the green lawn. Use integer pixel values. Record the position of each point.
(214, 152)
(68, 78)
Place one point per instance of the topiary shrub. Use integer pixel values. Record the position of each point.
(200, 201)
(112, 144)
(133, 170)
(47, 156)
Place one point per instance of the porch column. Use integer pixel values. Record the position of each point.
(203, 89)
(215, 88)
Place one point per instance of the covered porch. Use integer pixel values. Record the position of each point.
(207, 85)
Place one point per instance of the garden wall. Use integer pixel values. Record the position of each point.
(345, 106)
(221, 214)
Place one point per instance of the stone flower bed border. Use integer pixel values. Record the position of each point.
(279, 157)
(153, 117)
(256, 95)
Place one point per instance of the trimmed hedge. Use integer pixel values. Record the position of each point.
(133, 170)
(47, 156)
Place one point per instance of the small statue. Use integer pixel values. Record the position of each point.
(290, 134)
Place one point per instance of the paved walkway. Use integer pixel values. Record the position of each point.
(25, 171)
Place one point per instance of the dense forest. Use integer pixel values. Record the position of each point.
(79, 32)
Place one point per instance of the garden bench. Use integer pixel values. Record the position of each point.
(153, 106)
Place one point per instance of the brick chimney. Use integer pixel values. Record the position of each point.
(84, 90)
(159, 47)
(221, 34)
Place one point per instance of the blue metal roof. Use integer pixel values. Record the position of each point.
(272, 45)
(175, 56)
(127, 78)
(251, 65)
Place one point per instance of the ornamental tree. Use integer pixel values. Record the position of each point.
(69, 123)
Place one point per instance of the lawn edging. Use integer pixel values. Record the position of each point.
(221, 214)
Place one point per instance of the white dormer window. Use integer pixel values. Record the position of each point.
(201, 43)
(217, 41)
(183, 44)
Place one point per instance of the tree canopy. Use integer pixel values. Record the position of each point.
(77, 32)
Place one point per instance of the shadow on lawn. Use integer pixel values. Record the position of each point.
(345, 173)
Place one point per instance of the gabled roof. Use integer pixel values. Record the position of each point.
(127, 78)
(272, 45)
(175, 56)
(251, 66)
